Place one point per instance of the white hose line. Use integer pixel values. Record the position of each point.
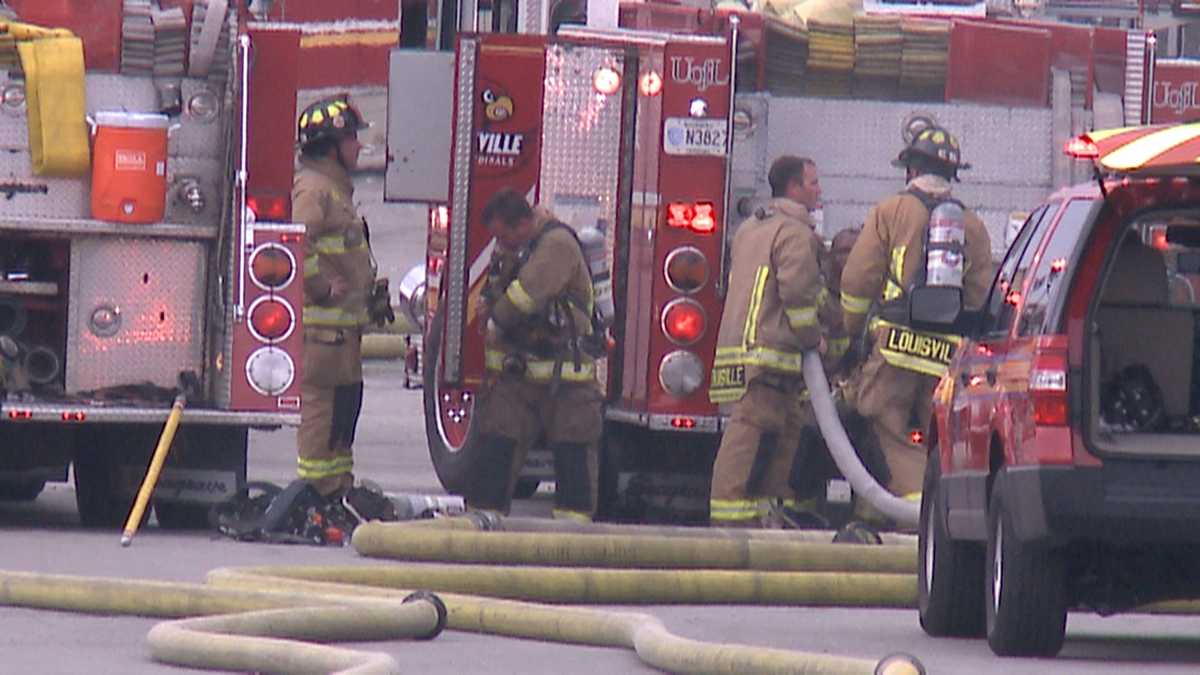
(904, 512)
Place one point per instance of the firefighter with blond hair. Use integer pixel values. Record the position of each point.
(896, 252)
(541, 350)
(339, 274)
(772, 315)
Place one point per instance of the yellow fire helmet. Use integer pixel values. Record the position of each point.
(334, 117)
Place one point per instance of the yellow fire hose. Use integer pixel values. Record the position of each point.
(394, 540)
(156, 465)
(490, 521)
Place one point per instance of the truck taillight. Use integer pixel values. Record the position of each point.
(1048, 389)
(271, 319)
(272, 266)
(268, 208)
(683, 321)
(686, 269)
(270, 371)
(699, 217)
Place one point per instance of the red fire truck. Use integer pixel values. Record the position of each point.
(625, 132)
(106, 315)
(651, 135)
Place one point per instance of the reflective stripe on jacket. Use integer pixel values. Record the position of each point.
(774, 306)
(524, 311)
(335, 244)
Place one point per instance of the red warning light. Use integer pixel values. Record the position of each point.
(699, 217)
(1081, 147)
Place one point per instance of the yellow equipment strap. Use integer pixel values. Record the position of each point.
(55, 100)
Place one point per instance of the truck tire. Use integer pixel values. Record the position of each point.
(949, 573)
(177, 516)
(203, 448)
(21, 491)
(526, 488)
(96, 495)
(1025, 591)
(453, 457)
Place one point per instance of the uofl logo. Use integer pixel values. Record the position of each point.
(703, 74)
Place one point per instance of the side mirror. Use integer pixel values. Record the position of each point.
(935, 307)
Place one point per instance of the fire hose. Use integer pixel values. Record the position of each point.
(905, 513)
(249, 631)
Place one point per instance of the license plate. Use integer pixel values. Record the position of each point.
(691, 136)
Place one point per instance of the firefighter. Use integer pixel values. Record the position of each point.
(772, 310)
(889, 259)
(541, 347)
(338, 277)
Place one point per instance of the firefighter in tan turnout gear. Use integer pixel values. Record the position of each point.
(540, 356)
(897, 251)
(338, 277)
(772, 315)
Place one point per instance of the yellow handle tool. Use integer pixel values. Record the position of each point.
(156, 465)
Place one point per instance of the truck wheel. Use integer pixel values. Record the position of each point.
(1025, 591)
(448, 411)
(96, 493)
(21, 491)
(526, 488)
(178, 516)
(949, 573)
(613, 460)
(99, 452)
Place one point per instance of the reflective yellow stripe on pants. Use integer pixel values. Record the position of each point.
(316, 469)
(735, 510)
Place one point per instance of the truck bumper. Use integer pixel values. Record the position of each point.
(1120, 502)
(708, 424)
(87, 414)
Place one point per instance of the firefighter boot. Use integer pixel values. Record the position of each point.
(573, 495)
(491, 486)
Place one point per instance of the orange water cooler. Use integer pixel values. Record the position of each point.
(129, 167)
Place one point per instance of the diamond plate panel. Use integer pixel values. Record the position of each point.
(581, 133)
(197, 136)
(40, 196)
(206, 173)
(581, 140)
(152, 285)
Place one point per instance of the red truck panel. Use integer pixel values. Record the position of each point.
(1175, 93)
(322, 10)
(273, 84)
(692, 71)
(505, 152)
(1108, 55)
(993, 63)
(346, 58)
(96, 22)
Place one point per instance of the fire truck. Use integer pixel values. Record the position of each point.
(661, 131)
(107, 313)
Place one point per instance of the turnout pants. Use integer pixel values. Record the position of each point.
(515, 413)
(754, 461)
(896, 401)
(331, 395)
